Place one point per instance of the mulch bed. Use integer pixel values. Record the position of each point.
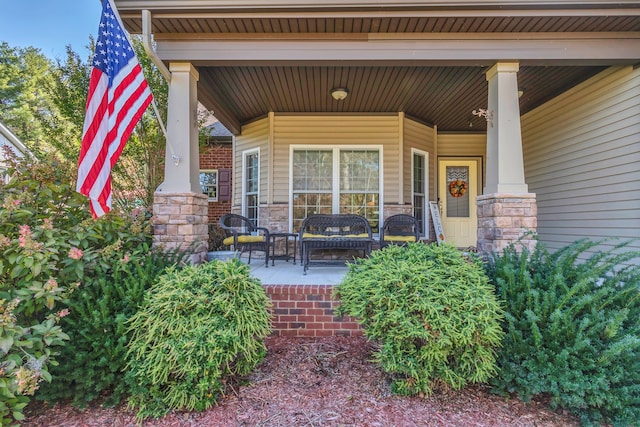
(323, 382)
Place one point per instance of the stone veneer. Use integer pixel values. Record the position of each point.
(503, 218)
(180, 222)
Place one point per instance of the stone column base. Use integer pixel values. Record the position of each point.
(504, 218)
(180, 222)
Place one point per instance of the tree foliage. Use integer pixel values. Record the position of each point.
(25, 75)
(44, 104)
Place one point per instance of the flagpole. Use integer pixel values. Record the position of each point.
(174, 156)
(159, 118)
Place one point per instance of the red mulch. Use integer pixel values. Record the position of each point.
(324, 382)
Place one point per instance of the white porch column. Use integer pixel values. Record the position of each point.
(180, 210)
(181, 170)
(505, 165)
(506, 210)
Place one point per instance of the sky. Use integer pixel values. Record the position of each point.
(50, 25)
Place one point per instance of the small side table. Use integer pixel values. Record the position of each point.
(286, 256)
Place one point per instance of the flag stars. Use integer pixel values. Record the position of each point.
(113, 49)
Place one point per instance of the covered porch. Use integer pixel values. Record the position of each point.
(268, 71)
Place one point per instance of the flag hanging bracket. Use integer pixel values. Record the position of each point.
(148, 46)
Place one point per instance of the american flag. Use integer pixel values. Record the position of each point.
(118, 97)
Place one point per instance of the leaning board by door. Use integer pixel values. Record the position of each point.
(437, 223)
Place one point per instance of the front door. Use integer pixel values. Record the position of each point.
(458, 188)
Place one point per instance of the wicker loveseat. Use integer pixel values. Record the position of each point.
(338, 231)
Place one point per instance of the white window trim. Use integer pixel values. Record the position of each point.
(213, 199)
(245, 154)
(336, 174)
(427, 212)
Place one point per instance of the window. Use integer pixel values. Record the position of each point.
(209, 184)
(457, 196)
(251, 185)
(419, 190)
(312, 184)
(336, 180)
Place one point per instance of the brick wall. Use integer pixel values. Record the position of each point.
(307, 311)
(217, 156)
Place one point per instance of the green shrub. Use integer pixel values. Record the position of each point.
(198, 327)
(92, 366)
(432, 310)
(572, 329)
(49, 247)
(41, 261)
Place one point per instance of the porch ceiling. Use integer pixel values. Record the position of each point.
(242, 85)
(442, 96)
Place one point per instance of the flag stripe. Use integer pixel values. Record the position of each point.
(118, 97)
(93, 153)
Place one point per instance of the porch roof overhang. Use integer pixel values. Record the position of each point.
(425, 58)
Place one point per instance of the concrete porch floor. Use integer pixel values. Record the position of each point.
(286, 273)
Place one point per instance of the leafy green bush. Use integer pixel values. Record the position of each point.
(572, 329)
(41, 262)
(197, 328)
(432, 310)
(49, 247)
(92, 365)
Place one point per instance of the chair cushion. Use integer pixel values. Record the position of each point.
(388, 238)
(243, 239)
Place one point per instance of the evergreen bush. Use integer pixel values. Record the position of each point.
(92, 365)
(432, 311)
(198, 328)
(572, 329)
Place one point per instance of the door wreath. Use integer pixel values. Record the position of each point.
(457, 188)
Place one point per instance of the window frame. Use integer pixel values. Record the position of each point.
(245, 193)
(426, 233)
(217, 185)
(335, 179)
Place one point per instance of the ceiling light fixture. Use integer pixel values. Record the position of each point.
(339, 93)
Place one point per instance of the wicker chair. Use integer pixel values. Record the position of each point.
(399, 229)
(244, 236)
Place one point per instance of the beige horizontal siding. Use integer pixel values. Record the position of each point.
(422, 137)
(581, 152)
(254, 135)
(330, 131)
